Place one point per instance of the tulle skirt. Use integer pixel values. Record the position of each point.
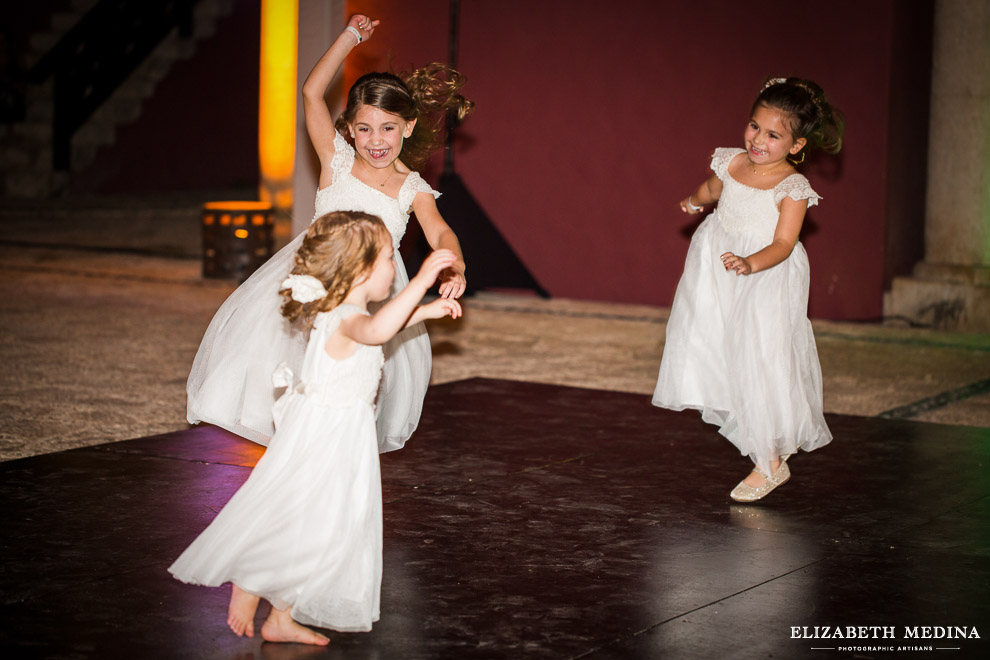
(230, 383)
(305, 530)
(741, 349)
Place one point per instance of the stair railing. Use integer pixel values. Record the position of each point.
(98, 54)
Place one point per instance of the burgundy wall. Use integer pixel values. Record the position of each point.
(200, 129)
(590, 127)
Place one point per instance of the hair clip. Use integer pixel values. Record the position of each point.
(774, 81)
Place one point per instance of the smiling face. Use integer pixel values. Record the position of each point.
(378, 135)
(768, 137)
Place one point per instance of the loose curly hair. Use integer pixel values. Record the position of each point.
(338, 249)
(811, 116)
(429, 94)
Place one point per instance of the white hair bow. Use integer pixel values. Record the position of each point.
(305, 288)
(282, 376)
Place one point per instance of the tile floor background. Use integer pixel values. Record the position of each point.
(96, 346)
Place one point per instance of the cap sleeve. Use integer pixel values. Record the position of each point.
(797, 187)
(343, 156)
(413, 185)
(721, 159)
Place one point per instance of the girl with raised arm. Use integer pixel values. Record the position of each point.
(368, 159)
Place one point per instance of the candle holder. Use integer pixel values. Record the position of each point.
(237, 238)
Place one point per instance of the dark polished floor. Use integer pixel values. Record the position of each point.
(532, 521)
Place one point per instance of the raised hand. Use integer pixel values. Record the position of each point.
(440, 308)
(433, 264)
(452, 283)
(364, 25)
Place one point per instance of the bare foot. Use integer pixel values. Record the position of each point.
(757, 478)
(240, 613)
(279, 627)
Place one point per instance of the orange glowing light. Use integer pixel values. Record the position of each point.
(241, 233)
(237, 206)
(277, 99)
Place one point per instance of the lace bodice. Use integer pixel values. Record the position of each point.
(744, 209)
(348, 193)
(334, 383)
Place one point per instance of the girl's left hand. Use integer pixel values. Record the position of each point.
(452, 283)
(739, 264)
(442, 307)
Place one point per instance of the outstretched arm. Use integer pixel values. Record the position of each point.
(319, 123)
(785, 237)
(441, 237)
(437, 309)
(707, 193)
(401, 311)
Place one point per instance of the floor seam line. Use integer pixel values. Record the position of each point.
(898, 340)
(638, 633)
(173, 458)
(933, 518)
(724, 598)
(937, 401)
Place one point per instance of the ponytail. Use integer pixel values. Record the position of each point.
(812, 116)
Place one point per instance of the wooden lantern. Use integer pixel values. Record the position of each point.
(237, 238)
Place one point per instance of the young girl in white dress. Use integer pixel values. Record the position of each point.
(739, 344)
(304, 532)
(386, 117)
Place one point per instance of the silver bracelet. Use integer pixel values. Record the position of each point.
(692, 206)
(353, 30)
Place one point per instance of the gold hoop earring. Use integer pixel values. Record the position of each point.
(796, 161)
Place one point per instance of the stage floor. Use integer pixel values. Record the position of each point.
(533, 521)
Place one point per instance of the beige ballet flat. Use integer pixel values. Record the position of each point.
(746, 493)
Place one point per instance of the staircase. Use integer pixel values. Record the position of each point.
(27, 168)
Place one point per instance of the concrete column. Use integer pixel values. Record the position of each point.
(320, 22)
(950, 289)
